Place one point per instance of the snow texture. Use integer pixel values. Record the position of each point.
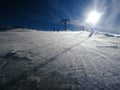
(38, 60)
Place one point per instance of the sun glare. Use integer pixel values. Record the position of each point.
(93, 17)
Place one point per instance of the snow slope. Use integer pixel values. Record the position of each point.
(38, 60)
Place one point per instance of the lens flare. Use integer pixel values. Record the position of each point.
(93, 17)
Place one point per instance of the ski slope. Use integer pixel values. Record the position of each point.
(39, 60)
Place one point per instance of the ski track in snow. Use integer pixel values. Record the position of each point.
(37, 60)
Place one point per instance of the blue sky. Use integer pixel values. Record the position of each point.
(46, 14)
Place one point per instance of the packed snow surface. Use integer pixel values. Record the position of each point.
(39, 60)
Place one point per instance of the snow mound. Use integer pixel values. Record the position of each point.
(14, 29)
(118, 36)
(109, 35)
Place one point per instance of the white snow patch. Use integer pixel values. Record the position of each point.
(39, 60)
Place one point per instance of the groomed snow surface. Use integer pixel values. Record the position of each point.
(39, 60)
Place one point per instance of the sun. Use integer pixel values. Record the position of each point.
(93, 17)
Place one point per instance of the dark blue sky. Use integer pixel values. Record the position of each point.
(46, 14)
(40, 14)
